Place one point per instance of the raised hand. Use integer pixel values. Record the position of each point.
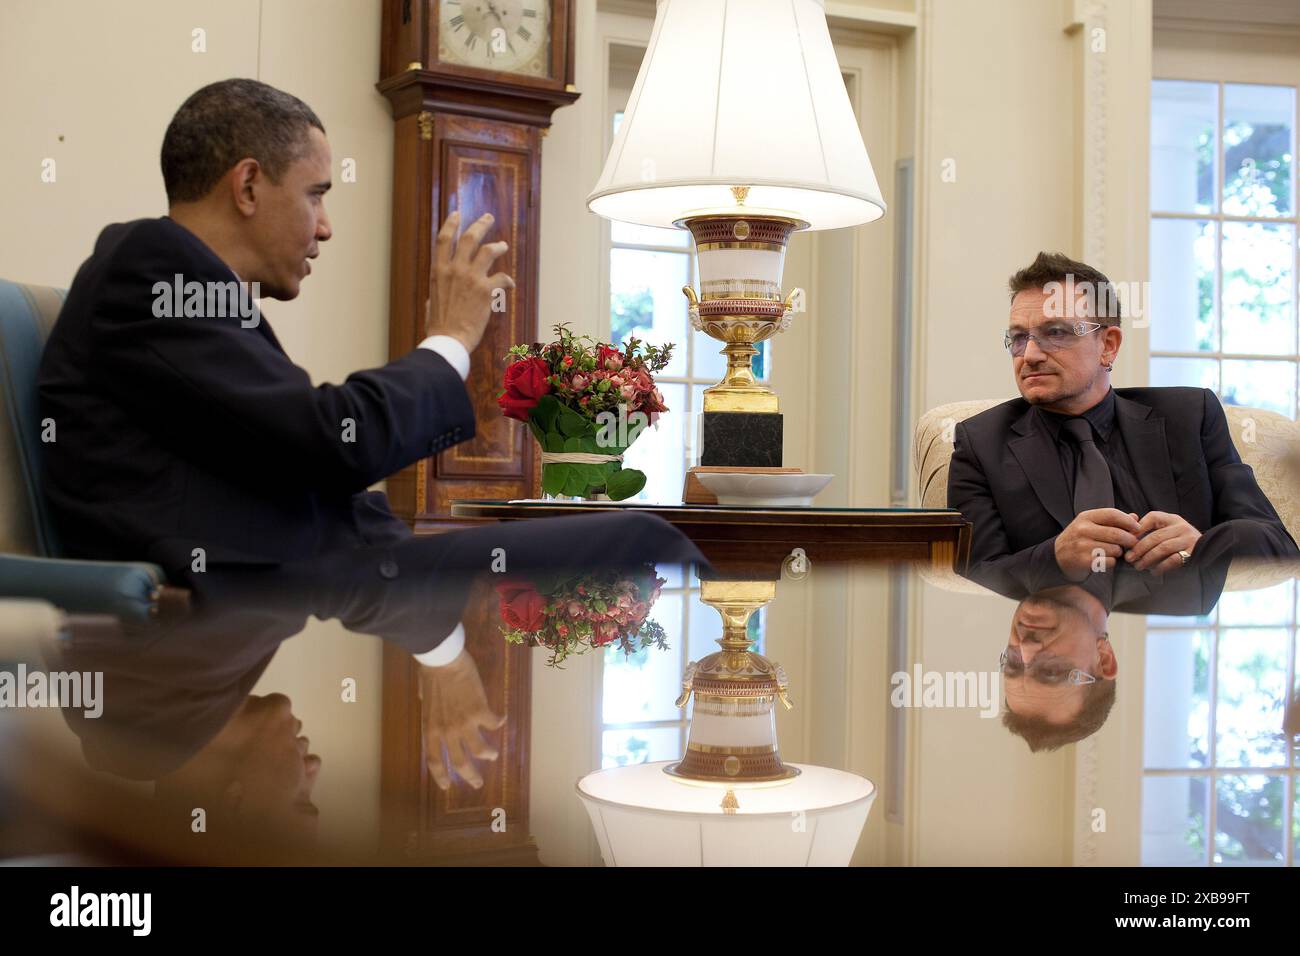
(463, 289)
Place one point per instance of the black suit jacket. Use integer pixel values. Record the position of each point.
(1006, 479)
(182, 433)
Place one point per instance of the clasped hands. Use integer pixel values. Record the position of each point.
(1150, 543)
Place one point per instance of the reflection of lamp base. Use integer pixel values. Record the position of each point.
(728, 764)
(745, 439)
(733, 723)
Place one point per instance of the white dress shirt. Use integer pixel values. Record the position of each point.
(450, 348)
(453, 350)
(447, 651)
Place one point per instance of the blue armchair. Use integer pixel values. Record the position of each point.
(31, 565)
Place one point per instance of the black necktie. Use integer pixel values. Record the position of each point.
(1092, 482)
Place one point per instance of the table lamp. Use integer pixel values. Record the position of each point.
(739, 129)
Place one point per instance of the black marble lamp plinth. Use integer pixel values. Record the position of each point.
(742, 439)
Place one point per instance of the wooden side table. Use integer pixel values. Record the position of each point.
(753, 542)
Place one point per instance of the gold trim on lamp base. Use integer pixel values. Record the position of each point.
(739, 391)
(731, 768)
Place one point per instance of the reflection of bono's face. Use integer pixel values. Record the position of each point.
(1057, 642)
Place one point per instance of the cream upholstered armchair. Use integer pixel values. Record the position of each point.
(1266, 441)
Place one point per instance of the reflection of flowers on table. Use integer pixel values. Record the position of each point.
(570, 615)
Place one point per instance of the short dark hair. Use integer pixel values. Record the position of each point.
(1042, 734)
(1050, 267)
(225, 122)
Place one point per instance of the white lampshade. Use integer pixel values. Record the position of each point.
(643, 817)
(739, 93)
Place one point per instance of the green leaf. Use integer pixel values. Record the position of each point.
(554, 441)
(572, 424)
(537, 433)
(546, 411)
(573, 444)
(575, 484)
(555, 477)
(625, 483)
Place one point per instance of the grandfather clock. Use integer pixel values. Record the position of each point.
(473, 85)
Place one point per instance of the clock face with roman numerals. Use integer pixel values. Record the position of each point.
(513, 36)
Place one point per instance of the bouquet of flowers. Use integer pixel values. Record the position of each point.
(570, 615)
(585, 402)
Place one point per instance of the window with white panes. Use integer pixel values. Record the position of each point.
(1223, 241)
(1220, 782)
(1220, 777)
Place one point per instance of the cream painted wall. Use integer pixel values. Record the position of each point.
(98, 109)
(92, 85)
(998, 102)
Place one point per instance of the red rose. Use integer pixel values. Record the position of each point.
(525, 382)
(608, 358)
(521, 606)
(516, 408)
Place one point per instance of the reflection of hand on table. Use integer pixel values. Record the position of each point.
(454, 714)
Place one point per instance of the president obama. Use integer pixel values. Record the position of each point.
(186, 435)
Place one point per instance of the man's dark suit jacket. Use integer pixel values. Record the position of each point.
(1006, 479)
(182, 433)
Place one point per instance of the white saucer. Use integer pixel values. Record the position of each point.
(768, 491)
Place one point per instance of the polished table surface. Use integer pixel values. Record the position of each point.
(755, 540)
(1195, 764)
